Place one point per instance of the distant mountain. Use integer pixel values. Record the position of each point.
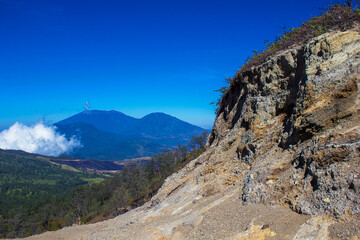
(107, 121)
(97, 144)
(112, 135)
(161, 125)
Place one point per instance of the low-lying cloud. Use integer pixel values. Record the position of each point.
(38, 138)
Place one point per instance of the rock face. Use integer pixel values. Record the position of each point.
(282, 161)
(293, 126)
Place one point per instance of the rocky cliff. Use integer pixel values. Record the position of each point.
(282, 161)
(290, 128)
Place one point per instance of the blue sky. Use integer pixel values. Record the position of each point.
(136, 57)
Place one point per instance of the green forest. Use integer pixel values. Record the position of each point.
(38, 196)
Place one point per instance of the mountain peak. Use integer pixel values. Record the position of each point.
(95, 111)
(158, 115)
(108, 121)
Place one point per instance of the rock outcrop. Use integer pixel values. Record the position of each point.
(282, 161)
(294, 123)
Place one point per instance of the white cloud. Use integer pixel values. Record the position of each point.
(39, 139)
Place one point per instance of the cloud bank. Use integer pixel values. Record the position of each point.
(39, 139)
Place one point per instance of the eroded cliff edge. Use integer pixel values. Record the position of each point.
(282, 161)
(293, 124)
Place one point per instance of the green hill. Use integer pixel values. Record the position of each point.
(30, 180)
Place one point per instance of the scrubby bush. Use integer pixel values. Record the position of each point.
(336, 17)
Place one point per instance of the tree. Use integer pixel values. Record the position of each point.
(203, 138)
(135, 181)
(166, 163)
(119, 199)
(198, 141)
(181, 151)
(3, 227)
(79, 202)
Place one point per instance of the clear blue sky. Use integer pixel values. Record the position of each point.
(133, 56)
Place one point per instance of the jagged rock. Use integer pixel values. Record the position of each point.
(303, 109)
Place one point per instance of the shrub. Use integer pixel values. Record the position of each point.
(336, 17)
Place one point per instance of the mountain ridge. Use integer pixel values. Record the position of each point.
(106, 120)
(112, 135)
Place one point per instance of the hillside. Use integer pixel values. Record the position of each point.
(98, 166)
(90, 165)
(112, 135)
(283, 158)
(27, 183)
(25, 177)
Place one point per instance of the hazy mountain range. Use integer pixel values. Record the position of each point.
(112, 135)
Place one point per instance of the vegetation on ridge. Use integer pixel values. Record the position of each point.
(336, 17)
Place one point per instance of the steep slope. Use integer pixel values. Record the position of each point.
(296, 121)
(282, 162)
